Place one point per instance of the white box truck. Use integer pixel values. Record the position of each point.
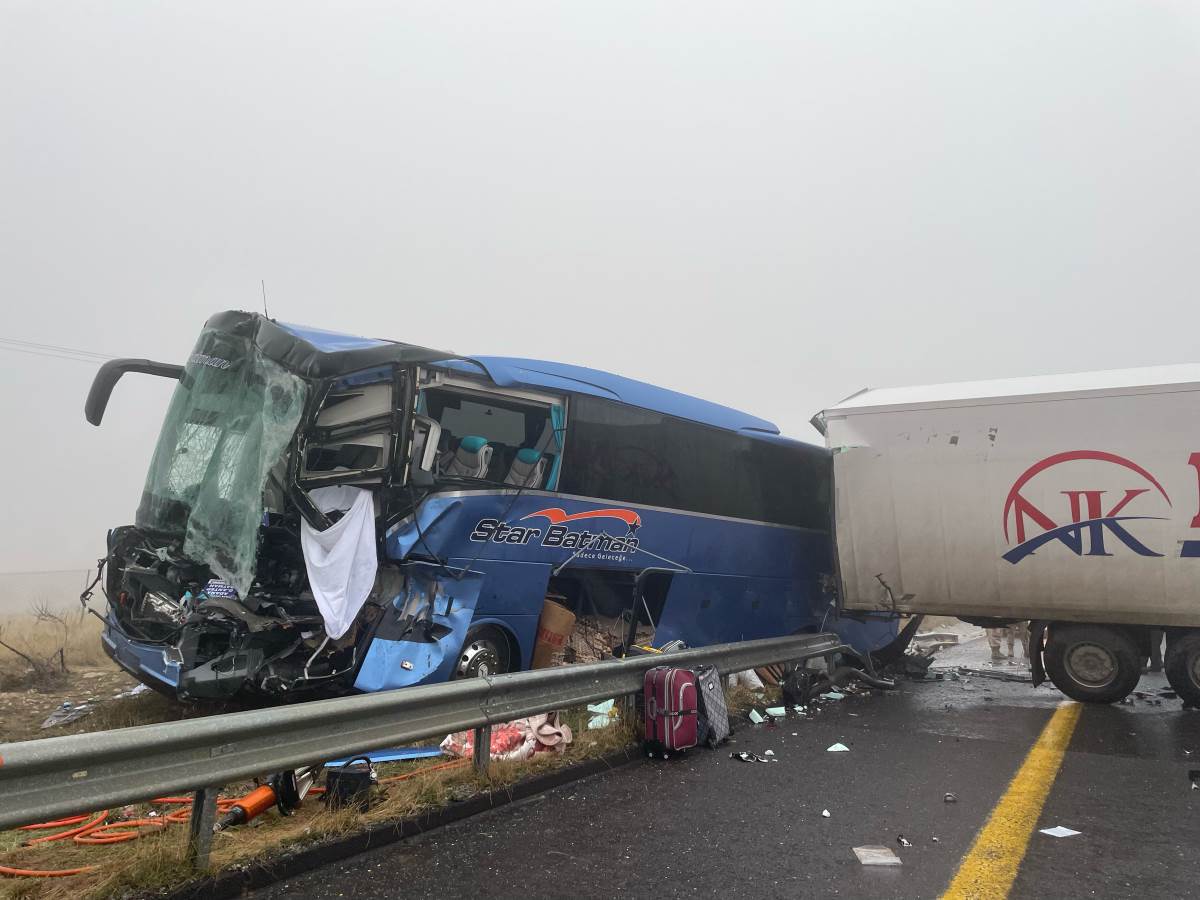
(1069, 500)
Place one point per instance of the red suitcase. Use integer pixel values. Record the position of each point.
(671, 722)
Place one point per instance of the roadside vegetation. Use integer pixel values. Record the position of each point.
(157, 859)
(57, 657)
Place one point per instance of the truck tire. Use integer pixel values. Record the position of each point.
(1093, 663)
(1182, 665)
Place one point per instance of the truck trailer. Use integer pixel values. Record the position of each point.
(1072, 501)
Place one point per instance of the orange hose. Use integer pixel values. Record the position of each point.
(96, 832)
(42, 873)
(70, 832)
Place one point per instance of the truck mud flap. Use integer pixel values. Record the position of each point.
(1037, 643)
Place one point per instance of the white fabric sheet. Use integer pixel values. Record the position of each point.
(341, 560)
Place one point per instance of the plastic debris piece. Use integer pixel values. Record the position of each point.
(837, 748)
(1059, 831)
(756, 717)
(877, 856)
(950, 797)
(777, 712)
(389, 755)
(750, 757)
(825, 814)
(66, 714)
(903, 841)
(936, 841)
(833, 695)
(768, 753)
(134, 691)
(603, 714)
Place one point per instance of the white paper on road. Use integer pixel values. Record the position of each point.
(1059, 831)
(838, 748)
(877, 856)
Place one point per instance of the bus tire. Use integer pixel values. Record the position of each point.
(1182, 665)
(1093, 663)
(486, 651)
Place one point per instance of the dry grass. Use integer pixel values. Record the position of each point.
(45, 644)
(157, 860)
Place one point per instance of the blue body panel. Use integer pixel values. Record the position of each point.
(143, 660)
(737, 580)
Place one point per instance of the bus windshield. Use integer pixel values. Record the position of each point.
(230, 421)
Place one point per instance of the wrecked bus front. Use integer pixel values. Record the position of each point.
(208, 590)
(330, 512)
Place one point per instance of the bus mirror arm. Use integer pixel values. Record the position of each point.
(110, 373)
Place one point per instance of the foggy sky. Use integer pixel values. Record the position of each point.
(768, 205)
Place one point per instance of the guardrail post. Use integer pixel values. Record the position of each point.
(629, 710)
(483, 747)
(200, 826)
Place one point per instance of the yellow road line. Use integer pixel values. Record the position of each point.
(988, 870)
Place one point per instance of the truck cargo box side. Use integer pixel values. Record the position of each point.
(1071, 498)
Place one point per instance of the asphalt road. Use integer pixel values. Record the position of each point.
(708, 825)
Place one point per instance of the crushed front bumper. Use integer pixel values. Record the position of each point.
(155, 665)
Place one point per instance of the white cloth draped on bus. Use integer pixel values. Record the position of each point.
(341, 560)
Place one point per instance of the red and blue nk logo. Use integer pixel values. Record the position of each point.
(1097, 520)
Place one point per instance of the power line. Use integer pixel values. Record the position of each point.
(53, 351)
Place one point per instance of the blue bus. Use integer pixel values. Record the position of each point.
(326, 513)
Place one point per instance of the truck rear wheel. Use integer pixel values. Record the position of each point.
(1093, 663)
(1183, 666)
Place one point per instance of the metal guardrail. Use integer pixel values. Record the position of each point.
(46, 779)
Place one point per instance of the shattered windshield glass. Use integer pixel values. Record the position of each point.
(230, 420)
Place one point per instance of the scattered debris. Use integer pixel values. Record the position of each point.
(877, 856)
(1194, 778)
(903, 841)
(837, 748)
(391, 754)
(135, 691)
(515, 740)
(744, 756)
(66, 714)
(1000, 674)
(936, 841)
(1059, 831)
(833, 695)
(825, 814)
(950, 797)
(768, 753)
(603, 714)
(776, 712)
(749, 678)
(756, 717)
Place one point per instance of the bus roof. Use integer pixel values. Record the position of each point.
(513, 372)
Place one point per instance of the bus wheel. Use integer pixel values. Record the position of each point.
(1092, 663)
(484, 652)
(1183, 666)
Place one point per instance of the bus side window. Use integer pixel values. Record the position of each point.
(517, 432)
